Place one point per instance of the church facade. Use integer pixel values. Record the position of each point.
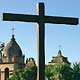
(12, 59)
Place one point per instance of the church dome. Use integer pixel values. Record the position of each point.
(12, 48)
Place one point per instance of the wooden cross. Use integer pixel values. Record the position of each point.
(41, 19)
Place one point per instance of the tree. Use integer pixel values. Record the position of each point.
(67, 72)
(25, 74)
(59, 71)
(49, 72)
(76, 71)
(2, 46)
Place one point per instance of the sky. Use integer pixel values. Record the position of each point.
(68, 36)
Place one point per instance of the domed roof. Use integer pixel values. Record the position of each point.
(12, 48)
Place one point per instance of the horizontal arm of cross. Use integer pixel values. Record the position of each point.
(36, 18)
(20, 17)
(61, 20)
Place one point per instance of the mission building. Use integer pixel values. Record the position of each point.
(12, 58)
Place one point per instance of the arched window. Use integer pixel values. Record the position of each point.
(6, 73)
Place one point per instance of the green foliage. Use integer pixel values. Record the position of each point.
(76, 71)
(66, 72)
(49, 72)
(58, 71)
(2, 46)
(25, 74)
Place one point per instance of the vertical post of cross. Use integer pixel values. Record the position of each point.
(41, 43)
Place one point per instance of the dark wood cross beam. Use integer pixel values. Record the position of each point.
(41, 19)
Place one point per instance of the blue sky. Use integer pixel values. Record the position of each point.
(67, 36)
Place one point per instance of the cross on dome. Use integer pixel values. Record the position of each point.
(13, 30)
(60, 46)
